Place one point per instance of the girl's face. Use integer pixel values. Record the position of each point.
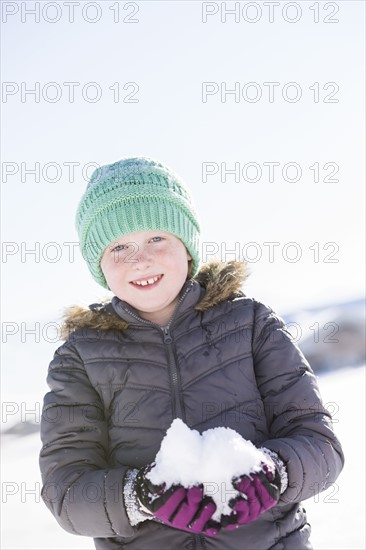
(155, 256)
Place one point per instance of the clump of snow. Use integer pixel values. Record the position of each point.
(213, 459)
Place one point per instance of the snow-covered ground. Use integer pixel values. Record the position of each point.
(336, 515)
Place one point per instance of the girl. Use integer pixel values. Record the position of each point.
(177, 340)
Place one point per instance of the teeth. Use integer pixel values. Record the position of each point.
(146, 282)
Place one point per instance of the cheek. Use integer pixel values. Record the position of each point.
(112, 270)
(170, 255)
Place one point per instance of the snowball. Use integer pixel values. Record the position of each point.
(212, 459)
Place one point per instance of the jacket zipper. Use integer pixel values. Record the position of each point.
(174, 376)
(168, 341)
(202, 542)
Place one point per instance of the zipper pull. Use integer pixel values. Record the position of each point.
(167, 337)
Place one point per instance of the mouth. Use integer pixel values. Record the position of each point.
(149, 282)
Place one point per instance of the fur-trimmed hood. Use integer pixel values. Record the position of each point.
(221, 281)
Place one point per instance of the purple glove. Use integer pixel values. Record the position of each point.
(258, 492)
(186, 509)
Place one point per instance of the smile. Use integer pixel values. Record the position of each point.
(147, 282)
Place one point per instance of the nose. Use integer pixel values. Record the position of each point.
(142, 257)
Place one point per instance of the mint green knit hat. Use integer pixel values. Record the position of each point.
(134, 194)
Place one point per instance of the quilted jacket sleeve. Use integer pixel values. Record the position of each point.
(83, 494)
(300, 428)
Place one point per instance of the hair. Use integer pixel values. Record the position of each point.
(190, 270)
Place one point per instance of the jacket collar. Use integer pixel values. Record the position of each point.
(189, 295)
(214, 283)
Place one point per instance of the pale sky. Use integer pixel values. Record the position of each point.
(315, 118)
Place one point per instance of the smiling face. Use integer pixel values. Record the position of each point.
(147, 269)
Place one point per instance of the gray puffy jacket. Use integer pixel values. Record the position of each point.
(118, 381)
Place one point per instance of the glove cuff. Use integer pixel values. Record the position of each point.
(134, 509)
(281, 468)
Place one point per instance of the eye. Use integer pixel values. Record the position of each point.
(161, 238)
(119, 246)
